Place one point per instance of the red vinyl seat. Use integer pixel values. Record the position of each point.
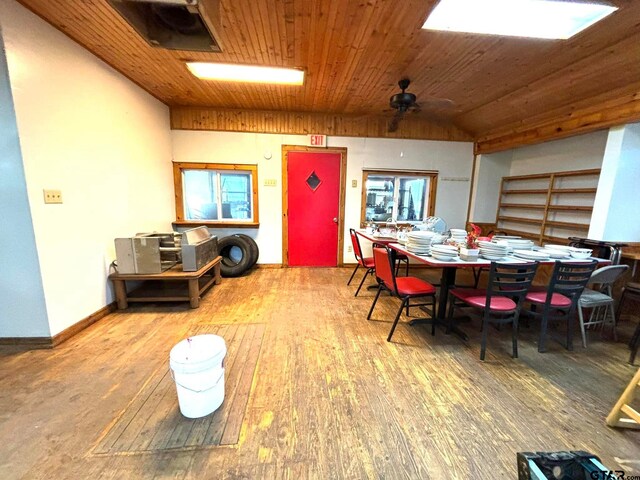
(557, 299)
(404, 288)
(501, 301)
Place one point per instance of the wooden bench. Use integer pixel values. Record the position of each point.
(172, 285)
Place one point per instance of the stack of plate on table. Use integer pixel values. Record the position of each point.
(458, 235)
(419, 242)
(516, 243)
(556, 251)
(445, 253)
(493, 251)
(531, 255)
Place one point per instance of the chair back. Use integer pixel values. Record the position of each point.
(382, 258)
(510, 280)
(606, 276)
(569, 279)
(355, 243)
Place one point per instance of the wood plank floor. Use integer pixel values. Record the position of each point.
(330, 397)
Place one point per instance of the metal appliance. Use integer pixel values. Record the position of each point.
(199, 247)
(601, 249)
(147, 252)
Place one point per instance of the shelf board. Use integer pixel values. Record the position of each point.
(541, 191)
(531, 221)
(573, 190)
(533, 236)
(571, 225)
(570, 208)
(522, 205)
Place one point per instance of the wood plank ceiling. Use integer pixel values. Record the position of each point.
(354, 52)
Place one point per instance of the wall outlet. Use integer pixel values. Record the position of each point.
(52, 196)
(354, 183)
(350, 248)
(270, 182)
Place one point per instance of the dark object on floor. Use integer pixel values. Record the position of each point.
(560, 466)
(236, 253)
(631, 292)
(255, 251)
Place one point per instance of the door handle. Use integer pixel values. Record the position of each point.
(335, 219)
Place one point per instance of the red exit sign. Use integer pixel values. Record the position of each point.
(317, 140)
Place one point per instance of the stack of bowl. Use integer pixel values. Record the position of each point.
(419, 242)
(458, 235)
(493, 251)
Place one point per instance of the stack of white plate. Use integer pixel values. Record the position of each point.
(419, 242)
(458, 235)
(581, 253)
(516, 243)
(445, 253)
(530, 255)
(553, 253)
(493, 251)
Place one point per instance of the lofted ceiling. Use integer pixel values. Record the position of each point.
(355, 51)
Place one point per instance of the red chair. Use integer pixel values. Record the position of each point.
(501, 301)
(362, 261)
(560, 299)
(405, 288)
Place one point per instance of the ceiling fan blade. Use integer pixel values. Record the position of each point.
(395, 121)
(438, 103)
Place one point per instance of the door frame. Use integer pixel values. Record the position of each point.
(285, 196)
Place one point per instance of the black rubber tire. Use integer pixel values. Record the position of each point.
(255, 251)
(229, 248)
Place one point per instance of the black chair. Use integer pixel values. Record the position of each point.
(501, 301)
(560, 299)
(405, 288)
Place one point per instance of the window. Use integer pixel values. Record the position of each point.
(209, 193)
(403, 197)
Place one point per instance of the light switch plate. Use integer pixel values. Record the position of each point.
(354, 183)
(270, 182)
(52, 196)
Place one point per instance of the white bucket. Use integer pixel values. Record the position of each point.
(197, 364)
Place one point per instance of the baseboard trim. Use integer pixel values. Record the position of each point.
(64, 335)
(76, 328)
(268, 265)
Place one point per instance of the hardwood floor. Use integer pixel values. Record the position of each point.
(331, 398)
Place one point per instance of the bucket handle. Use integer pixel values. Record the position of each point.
(191, 389)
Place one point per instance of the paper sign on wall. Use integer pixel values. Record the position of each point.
(317, 140)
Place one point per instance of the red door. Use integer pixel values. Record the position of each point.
(313, 204)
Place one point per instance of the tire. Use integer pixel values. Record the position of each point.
(255, 251)
(236, 256)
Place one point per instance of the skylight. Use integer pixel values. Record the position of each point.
(246, 73)
(551, 19)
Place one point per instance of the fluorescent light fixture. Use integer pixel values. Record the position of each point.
(246, 73)
(552, 19)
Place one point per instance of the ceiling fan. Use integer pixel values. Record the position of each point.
(404, 102)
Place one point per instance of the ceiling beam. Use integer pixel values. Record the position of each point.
(304, 123)
(625, 109)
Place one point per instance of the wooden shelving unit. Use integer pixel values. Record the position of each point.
(536, 206)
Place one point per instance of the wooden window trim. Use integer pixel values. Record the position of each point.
(178, 167)
(433, 187)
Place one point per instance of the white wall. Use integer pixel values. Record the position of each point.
(453, 160)
(615, 213)
(490, 168)
(575, 153)
(90, 132)
(22, 308)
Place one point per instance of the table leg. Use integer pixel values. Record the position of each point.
(120, 290)
(194, 293)
(216, 274)
(447, 280)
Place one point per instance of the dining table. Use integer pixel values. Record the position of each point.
(448, 278)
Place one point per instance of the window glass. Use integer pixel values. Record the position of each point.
(397, 197)
(219, 193)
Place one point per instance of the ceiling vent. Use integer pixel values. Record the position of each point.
(172, 24)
